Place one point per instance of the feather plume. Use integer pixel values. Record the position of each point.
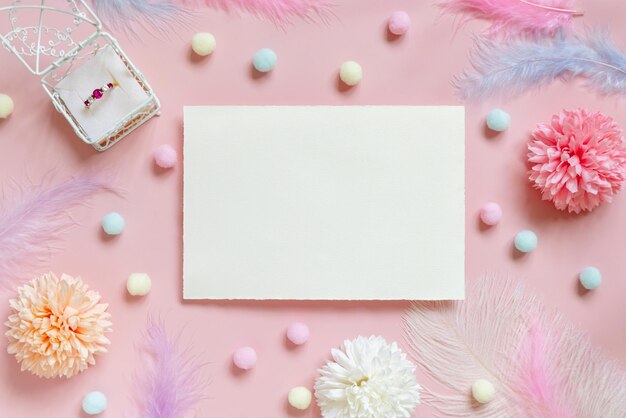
(540, 365)
(170, 383)
(515, 17)
(277, 11)
(33, 221)
(516, 67)
(537, 378)
(156, 15)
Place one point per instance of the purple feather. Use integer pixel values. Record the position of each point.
(513, 68)
(156, 15)
(32, 222)
(170, 383)
(277, 11)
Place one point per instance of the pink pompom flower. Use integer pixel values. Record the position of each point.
(578, 160)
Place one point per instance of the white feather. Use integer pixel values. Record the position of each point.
(457, 343)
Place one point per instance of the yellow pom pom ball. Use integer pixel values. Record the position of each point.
(351, 73)
(483, 391)
(138, 284)
(300, 397)
(6, 106)
(203, 43)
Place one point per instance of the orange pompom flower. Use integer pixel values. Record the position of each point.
(57, 326)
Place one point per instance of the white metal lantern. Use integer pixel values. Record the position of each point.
(62, 42)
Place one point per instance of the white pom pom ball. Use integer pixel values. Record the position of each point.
(6, 106)
(351, 73)
(483, 391)
(203, 43)
(300, 397)
(138, 284)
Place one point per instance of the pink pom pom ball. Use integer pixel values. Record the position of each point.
(578, 160)
(165, 156)
(491, 214)
(298, 333)
(245, 358)
(399, 22)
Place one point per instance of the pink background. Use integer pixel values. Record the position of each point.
(418, 70)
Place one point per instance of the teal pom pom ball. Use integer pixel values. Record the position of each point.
(94, 403)
(113, 223)
(590, 278)
(498, 120)
(526, 241)
(264, 60)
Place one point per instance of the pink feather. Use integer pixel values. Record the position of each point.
(540, 366)
(516, 17)
(538, 381)
(31, 222)
(170, 383)
(277, 11)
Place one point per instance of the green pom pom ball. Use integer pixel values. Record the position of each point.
(590, 278)
(264, 60)
(94, 403)
(498, 120)
(526, 241)
(113, 223)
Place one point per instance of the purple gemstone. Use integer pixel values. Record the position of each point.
(110, 85)
(97, 94)
(86, 103)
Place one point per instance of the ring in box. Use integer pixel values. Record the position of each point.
(88, 77)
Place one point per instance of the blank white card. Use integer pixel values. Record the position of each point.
(324, 202)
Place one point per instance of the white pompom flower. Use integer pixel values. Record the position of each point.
(368, 379)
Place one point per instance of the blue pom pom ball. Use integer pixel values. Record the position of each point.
(94, 403)
(264, 60)
(498, 120)
(526, 241)
(113, 223)
(590, 278)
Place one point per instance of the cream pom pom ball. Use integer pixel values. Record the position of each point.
(351, 73)
(6, 106)
(203, 43)
(300, 397)
(483, 391)
(139, 284)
